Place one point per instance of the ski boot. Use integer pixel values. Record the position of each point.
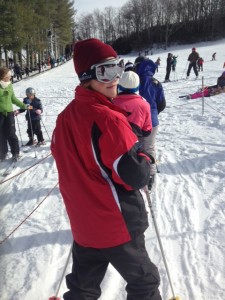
(41, 143)
(15, 157)
(3, 157)
(30, 142)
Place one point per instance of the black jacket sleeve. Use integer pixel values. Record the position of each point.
(134, 168)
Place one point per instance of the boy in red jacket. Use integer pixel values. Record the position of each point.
(101, 170)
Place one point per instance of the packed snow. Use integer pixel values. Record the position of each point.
(188, 198)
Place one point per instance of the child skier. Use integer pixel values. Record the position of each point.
(138, 110)
(157, 63)
(174, 63)
(200, 64)
(128, 66)
(33, 117)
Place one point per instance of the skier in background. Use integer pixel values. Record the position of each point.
(214, 56)
(193, 58)
(174, 62)
(169, 63)
(27, 71)
(7, 120)
(157, 63)
(200, 64)
(129, 66)
(33, 117)
(18, 72)
(150, 89)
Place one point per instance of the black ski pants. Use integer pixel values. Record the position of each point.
(8, 134)
(168, 70)
(34, 127)
(194, 66)
(131, 260)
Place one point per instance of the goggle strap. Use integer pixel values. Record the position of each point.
(105, 63)
(87, 75)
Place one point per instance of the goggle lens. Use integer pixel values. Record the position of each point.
(109, 70)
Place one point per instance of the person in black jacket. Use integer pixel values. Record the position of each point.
(193, 58)
(17, 72)
(33, 117)
(169, 62)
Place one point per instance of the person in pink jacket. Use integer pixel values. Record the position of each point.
(137, 107)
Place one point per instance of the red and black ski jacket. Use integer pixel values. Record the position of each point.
(100, 171)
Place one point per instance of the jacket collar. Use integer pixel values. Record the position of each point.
(91, 97)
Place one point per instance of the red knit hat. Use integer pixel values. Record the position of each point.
(89, 52)
(193, 49)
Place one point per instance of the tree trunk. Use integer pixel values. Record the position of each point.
(6, 58)
(27, 57)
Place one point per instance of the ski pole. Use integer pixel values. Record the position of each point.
(19, 131)
(45, 130)
(63, 274)
(175, 75)
(31, 129)
(157, 168)
(203, 98)
(160, 243)
(184, 70)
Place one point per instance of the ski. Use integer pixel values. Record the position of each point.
(39, 144)
(188, 79)
(26, 149)
(11, 167)
(185, 96)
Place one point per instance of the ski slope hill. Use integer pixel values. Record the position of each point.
(188, 199)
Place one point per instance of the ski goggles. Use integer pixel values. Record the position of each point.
(104, 72)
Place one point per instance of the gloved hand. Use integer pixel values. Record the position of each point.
(16, 112)
(29, 106)
(38, 111)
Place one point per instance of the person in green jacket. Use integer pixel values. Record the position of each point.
(7, 121)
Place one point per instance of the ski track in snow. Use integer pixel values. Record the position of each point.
(188, 199)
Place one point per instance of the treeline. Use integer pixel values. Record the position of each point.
(40, 27)
(142, 23)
